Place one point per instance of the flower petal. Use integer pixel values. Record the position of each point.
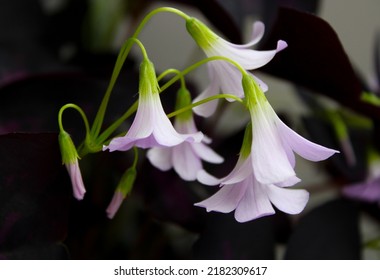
(185, 162)
(76, 180)
(206, 153)
(247, 58)
(207, 109)
(207, 179)
(255, 202)
(290, 201)
(258, 30)
(115, 204)
(160, 157)
(302, 146)
(241, 171)
(269, 159)
(225, 200)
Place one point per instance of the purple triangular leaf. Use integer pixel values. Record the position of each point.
(315, 59)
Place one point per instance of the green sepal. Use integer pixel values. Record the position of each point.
(148, 80)
(245, 149)
(183, 100)
(202, 35)
(68, 151)
(252, 91)
(126, 182)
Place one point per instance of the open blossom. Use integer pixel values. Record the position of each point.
(242, 192)
(70, 159)
(185, 158)
(224, 76)
(273, 142)
(151, 127)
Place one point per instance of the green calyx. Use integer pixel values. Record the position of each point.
(127, 180)
(245, 149)
(68, 151)
(183, 100)
(148, 79)
(252, 91)
(202, 35)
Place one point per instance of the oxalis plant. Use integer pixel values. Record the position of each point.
(264, 173)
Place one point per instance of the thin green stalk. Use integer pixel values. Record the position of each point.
(203, 101)
(97, 124)
(79, 110)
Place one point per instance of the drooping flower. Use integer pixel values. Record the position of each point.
(273, 142)
(70, 160)
(369, 189)
(242, 192)
(151, 127)
(123, 189)
(224, 76)
(186, 158)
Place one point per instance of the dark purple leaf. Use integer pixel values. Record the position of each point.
(218, 15)
(328, 232)
(224, 238)
(34, 195)
(315, 59)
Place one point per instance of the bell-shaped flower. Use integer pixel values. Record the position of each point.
(185, 158)
(151, 127)
(242, 192)
(70, 160)
(369, 189)
(123, 189)
(224, 77)
(273, 142)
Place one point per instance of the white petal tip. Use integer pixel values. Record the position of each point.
(281, 45)
(207, 179)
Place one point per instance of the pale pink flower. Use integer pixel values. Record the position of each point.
(242, 192)
(186, 158)
(76, 179)
(151, 127)
(224, 76)
(273, 142)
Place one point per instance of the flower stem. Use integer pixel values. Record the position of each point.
(97, 124)
(199, 64)
(191, 106)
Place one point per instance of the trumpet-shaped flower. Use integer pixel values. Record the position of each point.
(242, 192)
(224, 76)
(273, 142)
(151, 127)
(70, 159)
(185, 158)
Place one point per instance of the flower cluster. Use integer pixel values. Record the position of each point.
(265, 168)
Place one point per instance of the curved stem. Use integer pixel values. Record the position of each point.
(97, 124)
(199, 64)
(170, 71)
(208, 99)
(136, 158)
(78, 109)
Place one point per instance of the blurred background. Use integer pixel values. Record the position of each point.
(54, 52)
